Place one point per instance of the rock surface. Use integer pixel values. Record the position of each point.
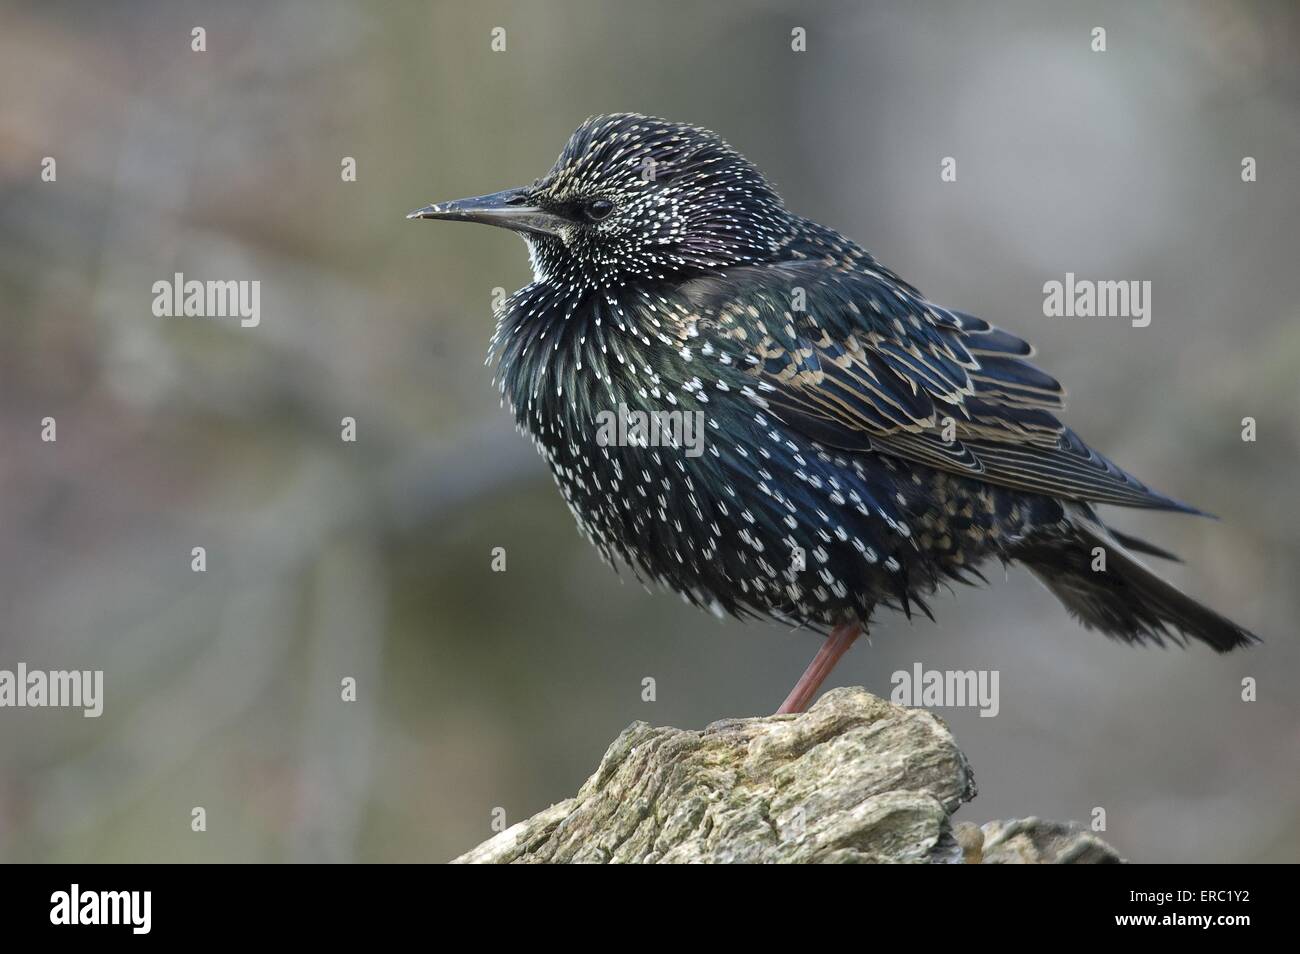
(853, 779)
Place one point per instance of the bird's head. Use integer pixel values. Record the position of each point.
(631, 198)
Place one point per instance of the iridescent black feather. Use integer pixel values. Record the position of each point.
(862, 444)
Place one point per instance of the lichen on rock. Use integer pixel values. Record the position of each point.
(853, 779)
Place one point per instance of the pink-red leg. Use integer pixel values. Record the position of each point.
(835, 646)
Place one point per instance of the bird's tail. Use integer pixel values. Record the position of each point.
(1104, 586)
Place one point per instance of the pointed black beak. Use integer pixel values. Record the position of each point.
(510, 209)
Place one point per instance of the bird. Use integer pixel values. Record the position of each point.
(859, 446)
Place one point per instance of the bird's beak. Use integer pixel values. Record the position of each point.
(508, 210)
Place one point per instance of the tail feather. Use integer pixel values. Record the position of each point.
(1124, 600)
(1138, 545)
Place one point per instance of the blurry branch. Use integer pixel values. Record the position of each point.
(854, 779)
(239, 653)
(237, 664)
(347, 638)
(242, 624)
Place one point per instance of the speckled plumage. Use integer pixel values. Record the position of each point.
(894, 443)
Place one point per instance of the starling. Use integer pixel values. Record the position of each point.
(860, 445)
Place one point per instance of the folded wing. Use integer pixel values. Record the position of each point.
(859, 361)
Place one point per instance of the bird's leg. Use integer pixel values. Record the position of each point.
(835, 646)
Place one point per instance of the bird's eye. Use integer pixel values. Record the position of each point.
(597, 209)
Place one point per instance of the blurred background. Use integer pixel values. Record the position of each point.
(480, 690)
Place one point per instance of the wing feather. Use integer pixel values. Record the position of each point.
(867, 364)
